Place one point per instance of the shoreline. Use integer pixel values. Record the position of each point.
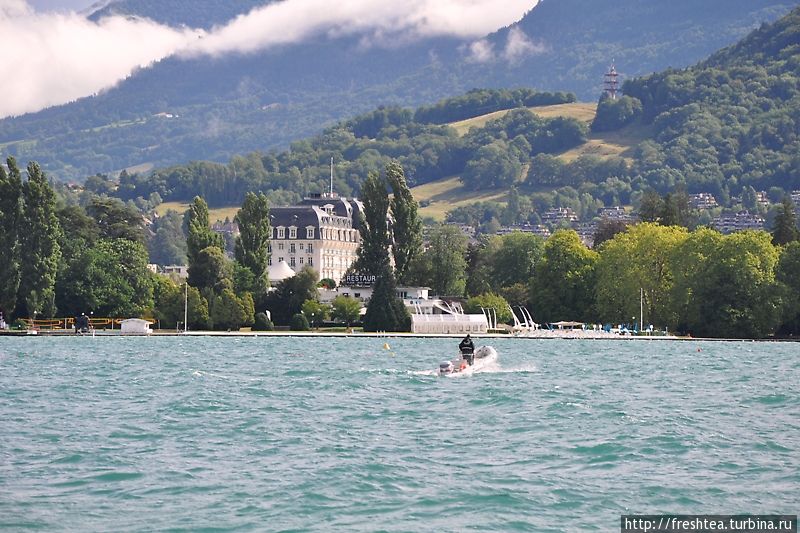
(335, 334)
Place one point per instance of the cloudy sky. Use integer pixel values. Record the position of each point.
(57, 56)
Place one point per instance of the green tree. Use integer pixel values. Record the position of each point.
(614, 114)
(315, 312)
(168, 245)
(563, 285)
(736, 295)
(689, 263)
(634, 260)
(784, 228)
(407, 226)
(498, 304)
(299, 323)
(443, 264)
(229, 312)
(651, 206)
(373, 253)
(262, 323)
(385, 311)
(514, 260)
(253, 242)
(10, 217)
(39, 248)
(479, 265)
(172, 300)
(109, 278)
(606, 229)
(788, 275)
(116, 220)
(199, 236)
(212, 270)
(345, 309)
(288, 297)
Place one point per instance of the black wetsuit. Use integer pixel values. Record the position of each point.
(467, 350)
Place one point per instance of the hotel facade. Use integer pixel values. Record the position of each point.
(322, 232)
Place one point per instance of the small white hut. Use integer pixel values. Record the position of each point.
(135, 326)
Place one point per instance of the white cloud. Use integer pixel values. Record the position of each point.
(519, 46)
(52, 58)
(480, 52)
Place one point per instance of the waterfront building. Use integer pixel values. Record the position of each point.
(322, 232)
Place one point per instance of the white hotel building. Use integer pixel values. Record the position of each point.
(321, 232)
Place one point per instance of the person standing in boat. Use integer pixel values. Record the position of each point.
(467, 349)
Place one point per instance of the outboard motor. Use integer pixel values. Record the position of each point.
(446, 367)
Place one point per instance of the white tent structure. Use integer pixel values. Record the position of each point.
(279, 272)
(449, 323)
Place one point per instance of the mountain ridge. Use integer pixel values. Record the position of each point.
(213, 108)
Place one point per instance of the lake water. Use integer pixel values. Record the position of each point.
(342, 434)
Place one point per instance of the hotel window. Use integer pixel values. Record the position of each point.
(281, 232)
(302, 246)
(311, 261)
(291, 261)
(292, 248)
(269, 261)
(301, 260)
(269, 248)
(310, 233)
(310, 248)
(292, 232)
(280, 259)
(280, 246)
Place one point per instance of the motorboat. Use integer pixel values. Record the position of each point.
(484, 356)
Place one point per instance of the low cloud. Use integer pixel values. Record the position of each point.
(53, 58)
(518, 46)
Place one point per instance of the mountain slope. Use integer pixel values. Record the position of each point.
(192, 13)
(212, 108)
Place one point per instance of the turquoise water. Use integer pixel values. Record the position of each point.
(340, 434)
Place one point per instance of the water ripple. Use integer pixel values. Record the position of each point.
(339, 434)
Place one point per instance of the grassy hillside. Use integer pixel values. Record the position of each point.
(604, 144)
(439, 197)
(214, 215)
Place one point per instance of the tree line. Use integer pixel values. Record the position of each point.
(93, 259)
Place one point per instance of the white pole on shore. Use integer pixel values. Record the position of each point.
(186, 307)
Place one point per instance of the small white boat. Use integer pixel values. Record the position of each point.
(484, 356)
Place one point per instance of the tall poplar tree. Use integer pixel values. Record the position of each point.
(10, 216)
(252, 244)
(373, 254)
(39, 249)
(784, 228)
(406, 226)
(199, 236)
